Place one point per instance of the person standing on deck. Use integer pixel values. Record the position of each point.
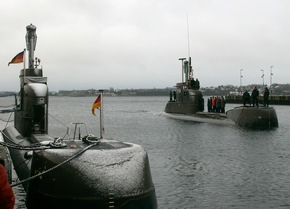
(246, 98)
(255, 95)
(218, 104)
(174, 96)
(213, 103)
(209, 105)
(223, 104)
(266, 96)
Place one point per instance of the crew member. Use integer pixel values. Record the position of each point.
(197, 84)
(223, 104)
(192, 83)
(218, 104)
(246, 98)
(213, 103)
(170, 95)
(255, 95)
(266, 96)
(174, 95)
(209, 105)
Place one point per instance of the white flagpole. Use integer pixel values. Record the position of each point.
(101, 115)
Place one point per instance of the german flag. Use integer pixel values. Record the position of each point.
(18, 58)
(96, 105)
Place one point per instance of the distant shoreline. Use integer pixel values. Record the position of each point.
(224, 90)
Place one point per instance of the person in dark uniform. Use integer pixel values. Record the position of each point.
(192, 83)
(266, 96)
(174, 95)
(246, 98)
(170, 95)
(218, 104)
(255, 95)
(209, 105)
(197, 84)
(223, 104)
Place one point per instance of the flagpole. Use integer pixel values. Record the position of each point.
(24, 67)
(24, 57)
(101, 114)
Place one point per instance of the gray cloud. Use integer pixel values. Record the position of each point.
(136, 44)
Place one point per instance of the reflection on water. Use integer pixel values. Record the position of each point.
(194, 165)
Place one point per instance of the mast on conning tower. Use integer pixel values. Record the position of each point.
(31, 38)
(186, 69)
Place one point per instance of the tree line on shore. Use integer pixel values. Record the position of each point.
(223, 90)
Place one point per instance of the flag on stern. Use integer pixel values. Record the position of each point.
(18, 58)
(96, 105)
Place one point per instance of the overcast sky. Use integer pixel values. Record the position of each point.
(97, 44)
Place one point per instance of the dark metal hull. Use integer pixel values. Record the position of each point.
(112, 173)
(252, 117)
(200, 117)
(46, 202)
(248, 117)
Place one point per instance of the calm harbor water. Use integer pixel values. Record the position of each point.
(193, 165)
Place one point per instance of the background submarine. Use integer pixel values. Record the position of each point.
(187, 103)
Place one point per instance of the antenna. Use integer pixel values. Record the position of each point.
(188, 45)
(101, 114)
(190, 70)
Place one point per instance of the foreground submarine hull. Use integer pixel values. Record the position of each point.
(112, 174)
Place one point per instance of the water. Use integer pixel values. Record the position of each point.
(193, 165)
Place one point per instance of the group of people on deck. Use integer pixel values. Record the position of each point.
(255, 97)
(216, 104)
(172, 94)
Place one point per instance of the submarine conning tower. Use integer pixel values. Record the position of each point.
(187, 98)
(32, 114)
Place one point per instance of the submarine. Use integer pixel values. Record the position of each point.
(79, 171)
(187, 103)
